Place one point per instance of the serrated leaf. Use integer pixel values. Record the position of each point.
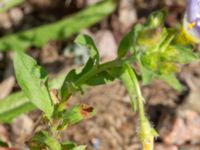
(172, 81)
(34, 82)
(43, 140)
(85, 40)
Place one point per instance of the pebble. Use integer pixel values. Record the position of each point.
(181, 129)
(16, 15)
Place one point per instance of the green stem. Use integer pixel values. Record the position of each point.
(145, 132)
(105, 66)
(95, 70)
(140, 98)
(102, 67)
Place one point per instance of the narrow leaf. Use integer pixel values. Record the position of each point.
(186, 55)
(13, 106)
(172, 81)
(58, 30)
(129, 84)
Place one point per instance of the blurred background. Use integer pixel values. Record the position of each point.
(45, 29)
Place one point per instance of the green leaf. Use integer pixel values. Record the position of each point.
(128, 79)
(185, 54)
(68, 86)
(128, 42)
(59, 30)
(34, 82)
(76, 114)
(42, 140)
(85, 40)
(14, 105)
(172, 81)
(3, 144)
(17, 103)
(166, 41)
(125, 44)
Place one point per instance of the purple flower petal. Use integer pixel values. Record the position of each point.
(193, 10)
(192, 18)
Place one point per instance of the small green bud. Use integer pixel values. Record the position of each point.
(149, 37)
(151, 33)
(76, 114)
(156, 19)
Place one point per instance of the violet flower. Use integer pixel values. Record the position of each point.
(192, 20)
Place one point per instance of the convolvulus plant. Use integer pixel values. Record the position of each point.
(157, 50)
